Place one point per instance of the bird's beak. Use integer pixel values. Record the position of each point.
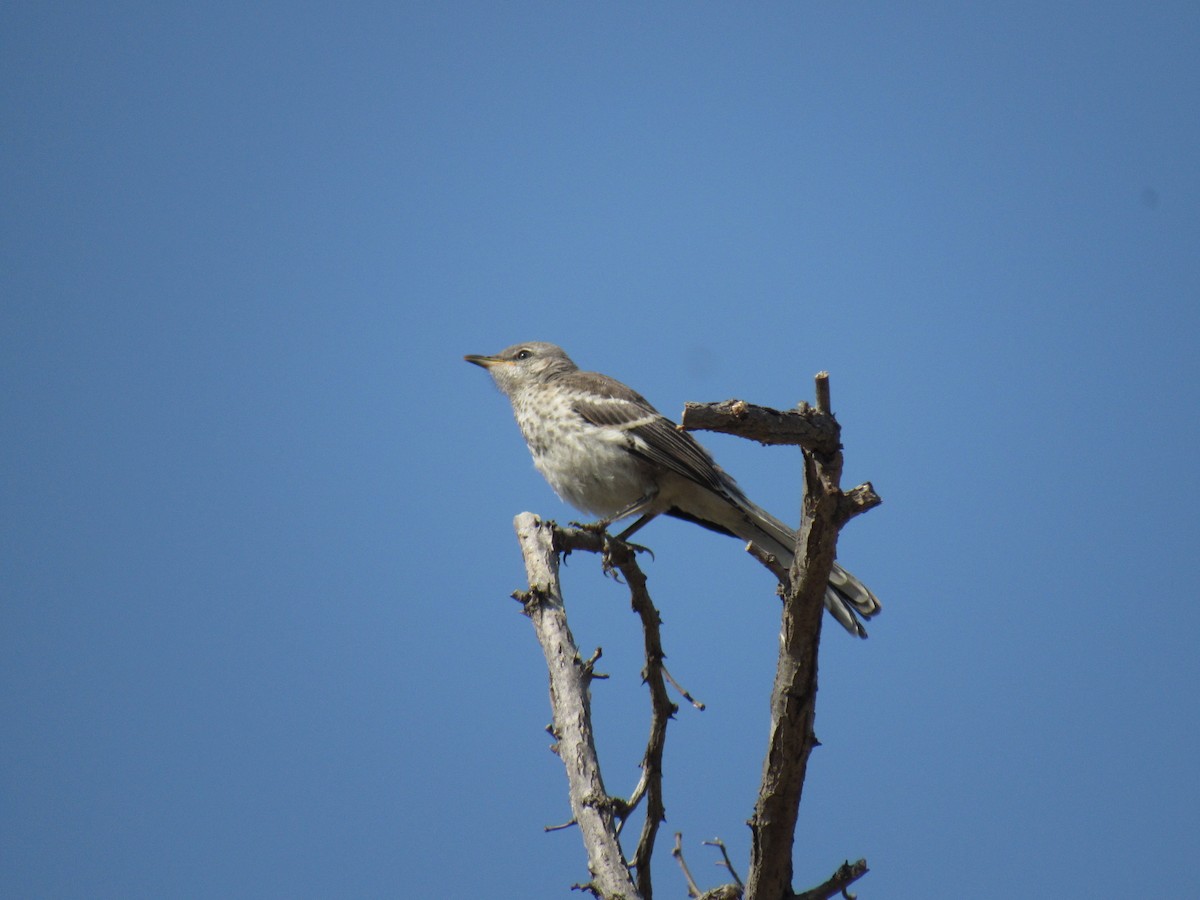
(486, 361)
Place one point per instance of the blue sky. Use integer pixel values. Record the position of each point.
(255, 632)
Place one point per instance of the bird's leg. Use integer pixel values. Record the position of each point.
(624, 535)
(636, 506)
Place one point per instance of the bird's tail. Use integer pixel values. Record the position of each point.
(846, 597)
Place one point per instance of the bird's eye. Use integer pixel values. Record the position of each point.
(524, 354)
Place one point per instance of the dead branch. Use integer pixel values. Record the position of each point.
(725, 863)
(683, 692)
(805, 426)
(591, 806)
(793, 698)
(693, 890)
(855, 502)
(846, 875)
(661, 710)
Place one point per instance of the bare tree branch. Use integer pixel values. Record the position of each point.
(725, 861)
(661, 710)
(683, 692)
(793, 698)
(693, 890)
(769, 560)
(846, 875)
(543, 541)
(805, 426)
(591, 805)
(855, 502)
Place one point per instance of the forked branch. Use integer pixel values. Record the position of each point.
(591, 806)
(650, 785)
(793, 698)
(599, 816)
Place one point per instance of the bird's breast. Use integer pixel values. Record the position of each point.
(589, 466)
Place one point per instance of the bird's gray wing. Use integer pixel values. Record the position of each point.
(605, 401)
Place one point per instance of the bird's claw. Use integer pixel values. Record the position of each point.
(636, 548)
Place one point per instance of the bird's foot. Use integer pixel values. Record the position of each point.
(598, 527)
(613, 546)
(616, 551)
(636, 548)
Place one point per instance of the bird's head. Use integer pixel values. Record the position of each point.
(522, 365)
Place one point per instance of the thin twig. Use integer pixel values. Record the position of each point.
(682, 690)
(589, 666)
(720, 845)
(769, 560)
(822, 390)
(677, 852)
(635, 798)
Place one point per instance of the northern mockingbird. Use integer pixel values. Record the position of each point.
(608, 452)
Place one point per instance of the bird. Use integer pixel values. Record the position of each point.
(606, 451)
